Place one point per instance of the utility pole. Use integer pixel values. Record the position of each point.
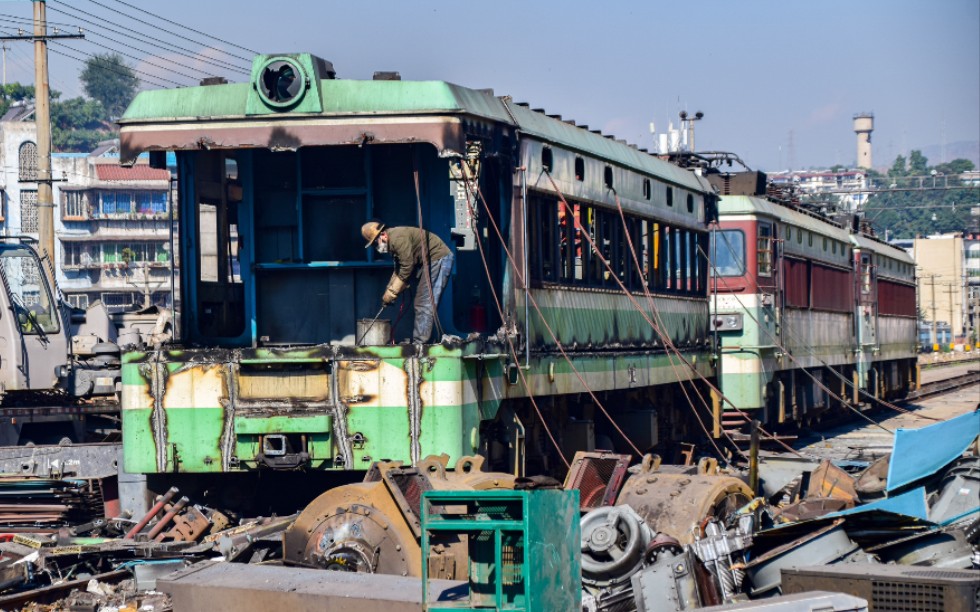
(42, 116)
(949, 292)
(932, 283)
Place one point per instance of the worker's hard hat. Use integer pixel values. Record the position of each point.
(371, 230)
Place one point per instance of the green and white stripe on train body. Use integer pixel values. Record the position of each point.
(191, 411)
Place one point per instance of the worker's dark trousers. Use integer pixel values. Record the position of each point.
(425, 304)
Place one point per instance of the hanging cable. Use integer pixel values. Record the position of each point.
(558, 344)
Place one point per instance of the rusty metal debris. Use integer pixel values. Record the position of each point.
(653, 536)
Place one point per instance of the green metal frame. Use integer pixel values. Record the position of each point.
(522, 547)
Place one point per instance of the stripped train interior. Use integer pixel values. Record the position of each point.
(577, 307)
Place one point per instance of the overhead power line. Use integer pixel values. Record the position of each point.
(224, 42)
(149, 40)
(129, 45)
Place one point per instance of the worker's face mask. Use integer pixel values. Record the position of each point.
(382, 245)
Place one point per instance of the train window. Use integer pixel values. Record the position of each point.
(834, 245)
(727, 253)
(547, 159)
(824, 243)
(690, 203)
(809, 237)
(764, 249)
(607, 177)
(799, 235)
(670, 196)
(646, 189)
(579, 169)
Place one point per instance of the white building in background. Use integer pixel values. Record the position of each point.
(112, 232)
(850, 186)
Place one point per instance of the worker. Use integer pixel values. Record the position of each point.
(413, 248)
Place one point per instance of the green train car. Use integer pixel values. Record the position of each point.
(275, 178)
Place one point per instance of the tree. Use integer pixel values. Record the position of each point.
(107, 79)
(79, 125)
(912, 209)
(918, 164)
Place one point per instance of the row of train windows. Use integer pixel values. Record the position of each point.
(836, 246)
(641, 253)
(829, 244)
(548, 162)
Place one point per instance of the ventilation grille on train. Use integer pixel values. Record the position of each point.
(598, 478)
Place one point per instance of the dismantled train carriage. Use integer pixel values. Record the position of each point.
(809, 312)
(276, 177)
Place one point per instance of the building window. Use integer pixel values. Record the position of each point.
(579, 169)
(124, 203)
(27, 162)
(118, 301)
(646, 188)
(74, 205)
(608, 177)
(547, 159)
(28, 211)
(77, 300)
(670, 196)
(690, 203)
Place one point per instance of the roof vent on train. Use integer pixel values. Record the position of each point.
(387, 75)
(290, 82)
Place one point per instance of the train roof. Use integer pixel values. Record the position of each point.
(233, 115)
(743, 205)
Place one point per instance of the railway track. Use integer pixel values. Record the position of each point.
(945, 385)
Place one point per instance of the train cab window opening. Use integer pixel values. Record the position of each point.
(670, 196)
(220, 293)
(547, 159)
(690, 203)
(31, 302)
(728, 253)
(607, 177)
(579, 169)
(646, 189)
(764, 244)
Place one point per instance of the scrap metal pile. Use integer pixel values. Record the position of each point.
(653, 536)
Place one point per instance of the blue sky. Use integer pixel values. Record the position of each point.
(778, 81)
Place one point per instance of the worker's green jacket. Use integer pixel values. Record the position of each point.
(405, 246)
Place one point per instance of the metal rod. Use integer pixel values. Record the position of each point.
(754, 457)
(166, 518)
(157, 507)
(358, 341)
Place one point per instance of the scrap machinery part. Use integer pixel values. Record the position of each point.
(614, 541)
(679, 504)
(374, 526)
(598, 477)
(722, 553)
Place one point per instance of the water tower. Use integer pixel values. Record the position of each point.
(864, 124)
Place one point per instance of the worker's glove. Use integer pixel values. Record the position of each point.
(388, 297)
(395, 286)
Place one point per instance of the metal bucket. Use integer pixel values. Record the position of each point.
(373, 335)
